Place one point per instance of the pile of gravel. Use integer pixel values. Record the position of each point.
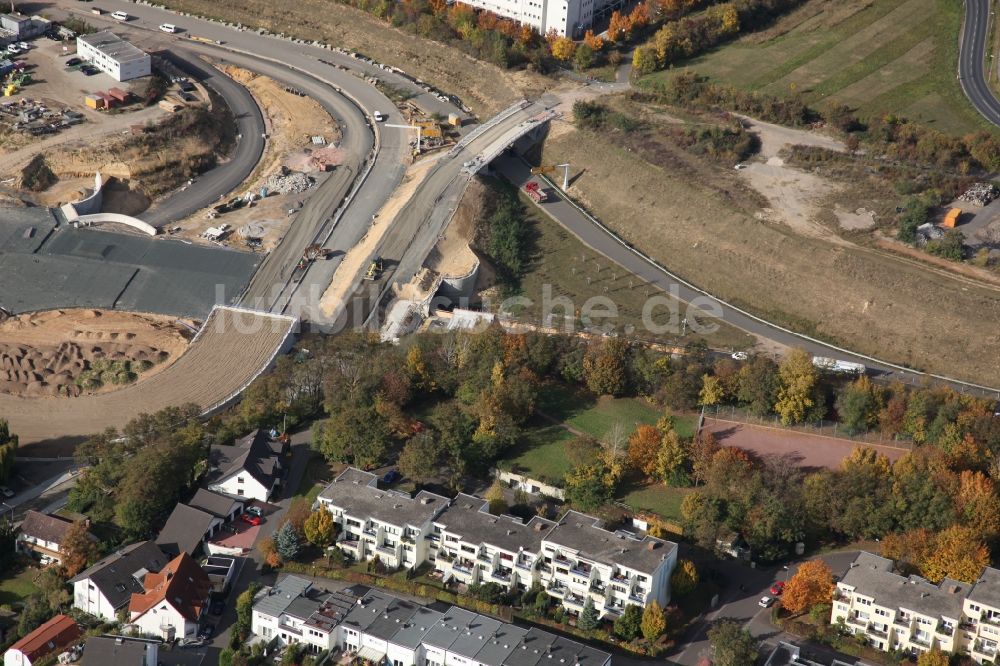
(290, 182)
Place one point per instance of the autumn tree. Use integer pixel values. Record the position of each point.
(933, 657)
(618, 27)
(654, 621)
(495, 496)
(712, 391)
(958, 553)
(977, 504)
(595, 42)
(297, 515)
(908, 549)
(79, 548)
(268, 549)
(643, 446)
(812, 584)
(684, 579)
(797, 379)
(671, 460)
(732, 645)
(563, 48)
(605, 366)
(644, 61)
(320, 528)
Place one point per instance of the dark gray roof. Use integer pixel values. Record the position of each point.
(367, 611)
(531, 649)
(116, 651)
(214, 503)
(252, 453)
(571, 653)
(116, 575)
(872, 576)
(186, 528)
(500, 645)
(274, 600)
(452, 623)
(585, 535)
(474, 635)
(469, 517)
(986, 590)
(394, 617)
(355, 491)
(412, 634)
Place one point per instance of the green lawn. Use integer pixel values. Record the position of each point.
(316, 476)
(17, 587)
(542, 453)
(657, 498)
(890, 56)
(595, 417)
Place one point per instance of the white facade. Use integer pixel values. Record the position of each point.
(30, 544)
(114, 56)
(243, 484)
(910, 614)
(566, 17)
(164, 621)
(88, 598)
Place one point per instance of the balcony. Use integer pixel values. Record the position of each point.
(561, 559)
(638, 598)
(556, 590)
(573, 600)
(984, 648)
(580, 570)
(614, 609)
(522, 564)
(371, 531)
(353, 544)
(546, 569)
(902, 622)
(597, 586)
(445, 556)
(289, 628)
(923, 642)
(944, 630)
(619, 578)
(857, 621)
(387, 549)
(487, 558)
(433, 538)
(408, 539)
(881, 633)
(991, 619)
(502, 574)
(463, 566)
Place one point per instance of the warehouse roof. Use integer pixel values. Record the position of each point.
(113, 46)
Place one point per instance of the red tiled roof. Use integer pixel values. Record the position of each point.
(182, 583)
(54, 635)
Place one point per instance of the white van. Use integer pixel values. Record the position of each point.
(379, 116)
(168, 27)
(119, 16)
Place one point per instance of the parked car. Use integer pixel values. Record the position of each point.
(255, 511)
(6, 492)
(392, 476)
(765, 602)
(89, 70)
(379, 116)
(24, 46)
(740, 356)
(168, 27)
(778, 588)
(251, 519)
(120, 16)
(72, 62)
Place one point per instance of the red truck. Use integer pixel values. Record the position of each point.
(537, 194)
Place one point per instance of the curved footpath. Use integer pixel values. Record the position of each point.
(972, 60)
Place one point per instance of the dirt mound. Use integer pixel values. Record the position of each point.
(71, 352)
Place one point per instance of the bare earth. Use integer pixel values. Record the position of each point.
(41, 352)
(810, 451)
(231, 350)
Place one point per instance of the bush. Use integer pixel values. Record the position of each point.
(951, 246)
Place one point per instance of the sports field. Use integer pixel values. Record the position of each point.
(889, 56)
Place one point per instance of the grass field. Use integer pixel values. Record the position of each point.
(564, 265)
(17, 587)
(890, 56)
(542, 453)
(316, 476)
(661, 500)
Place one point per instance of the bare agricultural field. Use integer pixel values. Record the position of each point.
(890, 56)
(485, 88)
(701, 223)
(232, 348)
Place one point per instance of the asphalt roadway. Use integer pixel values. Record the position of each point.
(971, 60)
(601, 240)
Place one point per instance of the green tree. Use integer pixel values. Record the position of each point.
(858, 405)
(357, 435)
(732, 645)
(586, 488)
(628, 625)
(8, 451)
(671, 460)
(494, 495)
(584, 56)
(757, 385)
(915, 213)
(244, 611)
(605, 366)
(712, 390)
(419, 460)
(319, 527)
(286, 541)
(589, 617)
(654, 621)
(684, 579)
(797, 377)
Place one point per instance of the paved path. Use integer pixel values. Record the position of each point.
(972, 56)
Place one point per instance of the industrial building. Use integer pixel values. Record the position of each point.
(16, 26)
(114, 56)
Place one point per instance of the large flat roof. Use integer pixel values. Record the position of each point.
(356, 492)
(469, 517)
(586, 535)
(113, 46)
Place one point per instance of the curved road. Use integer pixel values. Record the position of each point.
(972, 57)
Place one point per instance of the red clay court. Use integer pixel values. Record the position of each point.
(808, 449)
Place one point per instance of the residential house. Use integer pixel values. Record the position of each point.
(379, 627)
(186, 530)
(896, 612)
(54, 636)
(105, 589)
(580, 558)
(120, 651)
(223, 507)
(789, 654)
(42, 535)
(980, 626)
(251, 468)
(572, 558)
(387, 524)
(173, 600)
(470, 545)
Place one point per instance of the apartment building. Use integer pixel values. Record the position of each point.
(580, 558)
(380, 628)
(572, 558)
(114, 56)
(911, 614)
(387, 524)
(469, 545)
(566, 17)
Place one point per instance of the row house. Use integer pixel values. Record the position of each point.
(581, 558)
(909, 613)
(572, 558)
(386, 524)
(470, 545)
(380, 628)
